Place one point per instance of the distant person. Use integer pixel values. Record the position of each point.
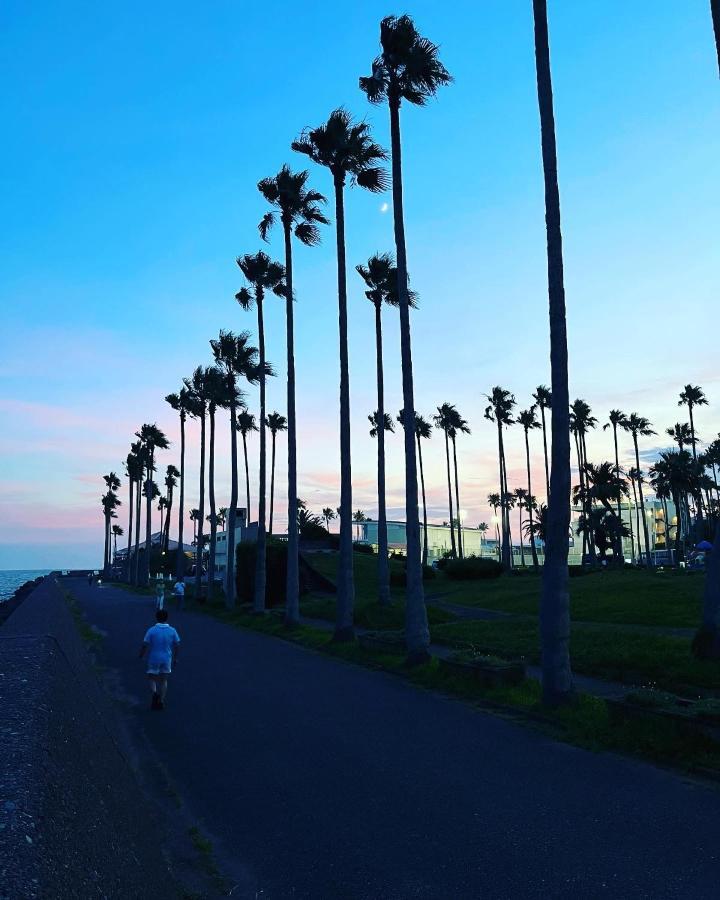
(159, 594)
(179, 593)
(161, 644)
(90, 579)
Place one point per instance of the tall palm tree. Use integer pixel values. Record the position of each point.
(423, 432)
(152, 439)
(407, 68)
(543, 401)
(615, 420)
(673, 470)
(380, 277)
(222, 515)
(638, 426)
(237, 358)
(521, 498)
(171, 477)
(275, 423)
(443, 421)
(133, 470)
(633, 475)
(109, 503)
(680, 433)
(217, 396)
(555, 602)
(246, 424)
(528, 420)
(328, 515)
(199, 390)
(179, 403)
(117, 532)
(495, 504)
(262, 274)
(499, 410)
(348, 151)
(162, 506)
(300, 214)
(359, 517)
(692, 396)
(459, 426)
(482, 528)
(581, 420)
(142, 454)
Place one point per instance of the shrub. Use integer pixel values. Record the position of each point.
(579, 571)
(398, 578)
(472, 568)
(275, 572)
(428, 573)
(363, 548)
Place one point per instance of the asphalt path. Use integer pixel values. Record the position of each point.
(320, 779)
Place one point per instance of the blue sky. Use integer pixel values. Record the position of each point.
(134, 137)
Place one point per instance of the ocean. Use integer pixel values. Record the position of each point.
(11, 579)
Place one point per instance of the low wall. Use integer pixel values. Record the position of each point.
(73, 819)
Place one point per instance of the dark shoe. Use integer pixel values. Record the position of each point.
(155, 702)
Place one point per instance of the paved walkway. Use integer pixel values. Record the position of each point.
(320, 779)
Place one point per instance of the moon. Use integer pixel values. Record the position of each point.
(384, 207)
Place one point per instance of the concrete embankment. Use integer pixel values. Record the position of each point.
(74, 822)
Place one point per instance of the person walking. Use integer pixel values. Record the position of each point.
(179, 593)
(161, 645)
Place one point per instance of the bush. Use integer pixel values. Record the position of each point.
(363, 548)
(472, 568)
(275, 572)
(398, 578)
(428, 573)
(579, 571)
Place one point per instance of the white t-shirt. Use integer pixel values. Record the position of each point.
(161, 639)
(179, 589)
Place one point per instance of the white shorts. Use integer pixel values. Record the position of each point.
(162, 668)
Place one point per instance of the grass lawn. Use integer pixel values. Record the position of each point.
(633, 658)
(620, 598)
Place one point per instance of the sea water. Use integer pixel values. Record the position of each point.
(11, 579)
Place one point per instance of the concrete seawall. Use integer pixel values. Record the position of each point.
(74, 822)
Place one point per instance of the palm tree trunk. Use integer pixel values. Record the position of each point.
(530, 509)
(651, 564)
(247, 476)
(545, 452)
(425, 525)
(588, 503)
(148, 519)
(383, 566)
(417, 633)
(213, 514)
(180, 552)
(715, 9)
(678, 530)
(272, 485)
(637, 522)
(131, 485)
(457, 503)
(619, 500)
(345, 587)
(582, 493)
(260, 549)
(555, 601)
(450, 499)
(106, 549)
(201, 515)
(168, 514)
(504, 511)
(292, 603)
(232, 512)
(138, 510)
(692, 432)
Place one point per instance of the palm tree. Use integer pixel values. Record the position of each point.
(359, 516)
(637, 425)
(217, 396)
(236, 357)
(673, 472)
(581, 420)
(380, 277)
(499, 411)
(528, 420)
(495, 503)
(300, 213)
(152, 439)
(179, 403)
(680, 433)
(459, 425)
(171, 477)
(555, 603)
(348, 151)
(692, 396)
(262, 274)
(634, 475)
(423, 431)
(408, 69)
(142, 455)
(543, 401)
(194, 516)
(117, 532)
(328, 515)
(482, 528)
(521, 496)
(443, 420)
(200, 391)
(275, 423)
(162, 506)
(246, 423)
(615, 420)
(222, 514)
(133, 470)
(109, 503)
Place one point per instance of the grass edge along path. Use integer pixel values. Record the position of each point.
(587, 723)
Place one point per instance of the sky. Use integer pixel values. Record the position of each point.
(134, 138)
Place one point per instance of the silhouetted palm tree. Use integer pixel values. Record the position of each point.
(554, 604)
(262, 275)
(527, 419)
(615, 420)
(117, 532)
(443, 420)
(673, 471)
(638, 426)
(543, 401)
(274, 422)
(171, 477)
(380, 277)
(179, 404)
(423, 431)
(692, 396)
(246, 424)
(300, 214)
(581, 420)
(348, 151)
(162, 506)
(134, 472)
(495, 503)
(152, 439)
(200, 392)
(521, 496)
(110, 502)
(499, 411)
(407, 69)
(458, 426)
(217, 396)
(328, 515)
(358, 517)
(236, 357)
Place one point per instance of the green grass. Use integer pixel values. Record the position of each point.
(85, 630)
(633, 658)
(629, 597)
